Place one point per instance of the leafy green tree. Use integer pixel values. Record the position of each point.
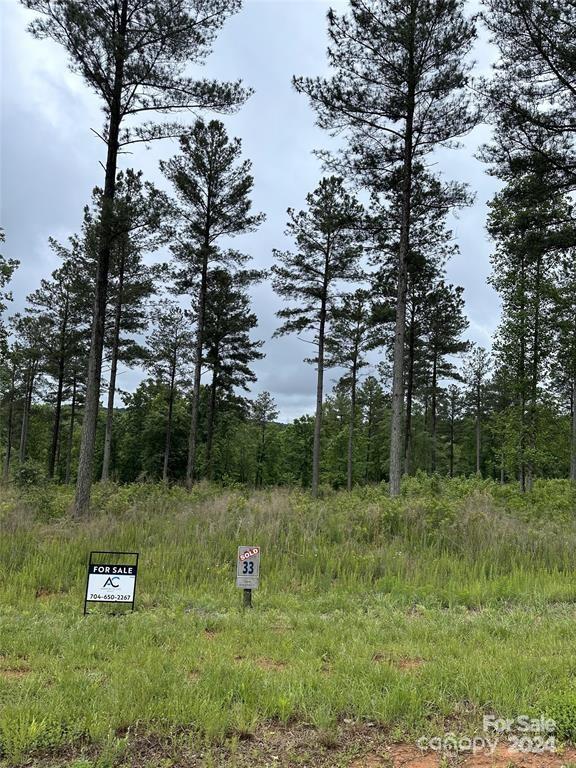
(212, 202)
(398, 92)
(374, 407)
(133, 54)
(328, 252)
(141, 433)
(455, 401)
(297, 448)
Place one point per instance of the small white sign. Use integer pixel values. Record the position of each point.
(111, 583)
(248, 568)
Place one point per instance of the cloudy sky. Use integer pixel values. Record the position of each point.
(50, 161)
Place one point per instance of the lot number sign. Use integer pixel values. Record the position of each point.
(112, 582)
(248, 567)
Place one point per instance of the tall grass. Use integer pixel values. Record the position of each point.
(453, 542)
(475, 580)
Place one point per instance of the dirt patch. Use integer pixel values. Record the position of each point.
(43, 593)
(409, 756)
(14, 673)
(210, 634)
(349, 745)
(406, 664)
(270, 665)
(504, 757)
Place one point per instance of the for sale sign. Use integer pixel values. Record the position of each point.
(248, 567)
(112, 582)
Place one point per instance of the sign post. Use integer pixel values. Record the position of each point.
(111, 582)
(248, 572)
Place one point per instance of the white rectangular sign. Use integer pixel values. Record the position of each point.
(111, 583)
(248, 567)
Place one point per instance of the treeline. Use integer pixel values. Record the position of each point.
(361, 280)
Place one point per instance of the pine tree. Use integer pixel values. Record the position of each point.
(563, 368)
(264, 412)
(444, 325)
(328, 242)
(530, 225)
(170, 353)
(373, 405)
(7, 267)
(212, 202)
(138, 211)
(351, 335)
(454, 410)
(398, 92)
(229, 348)
(56, 309)
(477, 367)
(431, 246)
(28, 350)
(533, 90)
(133, 54)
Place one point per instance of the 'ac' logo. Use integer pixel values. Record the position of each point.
(111, 582)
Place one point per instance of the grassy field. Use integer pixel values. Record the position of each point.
(378, 621)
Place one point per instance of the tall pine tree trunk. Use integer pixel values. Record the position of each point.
(478, 429)
(533, 410)
(210, 420)
(409, 397)
(193, 436)
(522, 377)
(452, 417)
(113, 373)
(368, 457)
(169, 417)
(68, 473)
(26, 412)
(59, 390)
(573, 432)
(9, 427)
(396, 442)
(56, 422)
(92, 403)
(433, 415)
(319, 390)
(351, 425)
(261, 456)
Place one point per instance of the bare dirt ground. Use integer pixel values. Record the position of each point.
(298, 746)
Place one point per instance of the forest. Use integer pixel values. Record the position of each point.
(156, 279)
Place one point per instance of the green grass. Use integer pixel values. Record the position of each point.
(455, 600)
